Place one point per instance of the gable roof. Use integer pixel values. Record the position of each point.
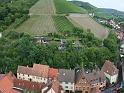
(53, 73)
(23, 84)
(42, 69)
(6, 84)
(56, 86)
(26, 70)
(66, 75)
(109, 68)
(37, 70)
(92, 77)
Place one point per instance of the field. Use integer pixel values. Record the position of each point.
(43, 7)
(40, 21)
(86, 22)
(63, 7)
(38, 25)
(63, 24)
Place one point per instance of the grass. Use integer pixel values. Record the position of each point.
(43, 7)
(63, 7)
(38, 25)
(63, 24)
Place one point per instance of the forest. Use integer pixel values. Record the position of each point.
(14, 11)
(20, 49)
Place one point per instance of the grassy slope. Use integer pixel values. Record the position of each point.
(38, 25)
(62, 23)
(62, 7)
(40, 21)
(88, 23)
(43, 7)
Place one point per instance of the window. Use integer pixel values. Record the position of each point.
(66, 86)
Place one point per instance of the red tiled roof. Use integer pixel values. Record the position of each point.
(56, 86)
(109, 68)
(42, 69)
(23, 84)
(26, 70)
(37, 70)
(6, 84)
(53, 72)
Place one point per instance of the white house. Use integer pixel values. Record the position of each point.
(39, 73)
(67, 79)
(110, 71)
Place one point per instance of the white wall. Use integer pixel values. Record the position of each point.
(51, 91)
(111, 78)
(69, 85)
(33, 78)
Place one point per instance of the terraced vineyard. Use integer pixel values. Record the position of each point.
(40, 21)
(63, 7)
(38, 25)
(83, 20)
(43, 7)
(62, 24)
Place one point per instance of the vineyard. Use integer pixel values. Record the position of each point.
(63, 24)
(38, 25)
(88, 23)
(63, 7)
(43, 7)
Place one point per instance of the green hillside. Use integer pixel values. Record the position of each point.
(62, 7)
(99, 12)
(85, 5)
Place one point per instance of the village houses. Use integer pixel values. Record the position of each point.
(42, 78)
(67, 79)
(39, 73)
(86, 82)
(110, 71)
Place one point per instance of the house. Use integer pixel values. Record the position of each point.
(41, 40)
(6, 83)
(85, 82)
(28, 86)
(37, 73)
(67, 79)
(110, 71)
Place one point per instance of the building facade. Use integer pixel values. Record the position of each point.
(110, 71)
(86, 82)
(39, 73)
(67, 79)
